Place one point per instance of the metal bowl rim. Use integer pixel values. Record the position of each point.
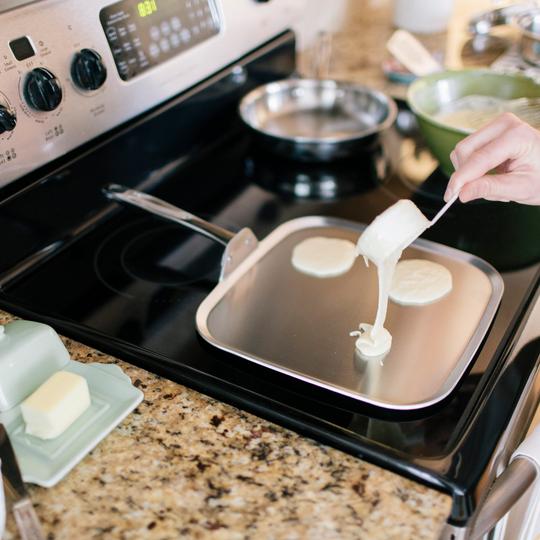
(261, 91)
(521, 20)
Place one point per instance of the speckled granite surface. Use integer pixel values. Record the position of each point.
(359, 47)
(359, 44)
(183, 465)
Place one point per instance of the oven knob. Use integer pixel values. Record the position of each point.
(7, 120)
(87, 70)
(42, 90)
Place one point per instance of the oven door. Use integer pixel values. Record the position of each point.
(511, 493)
(513, 502)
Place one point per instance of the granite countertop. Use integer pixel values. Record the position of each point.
(364, 27)
(359, 46)
(184, 465)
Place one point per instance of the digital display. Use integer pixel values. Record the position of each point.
(22, 48)
(143, 34)
(146, 8)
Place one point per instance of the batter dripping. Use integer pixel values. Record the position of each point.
(382, 243)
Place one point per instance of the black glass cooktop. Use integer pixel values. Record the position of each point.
(132, 283)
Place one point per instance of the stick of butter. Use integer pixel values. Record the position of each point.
(55, 405)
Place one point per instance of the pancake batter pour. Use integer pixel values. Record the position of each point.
(382, 243)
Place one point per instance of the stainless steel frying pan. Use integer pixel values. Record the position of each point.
(267, 312)
(528, 26)
(317, 119)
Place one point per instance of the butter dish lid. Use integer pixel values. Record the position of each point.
(30, 353)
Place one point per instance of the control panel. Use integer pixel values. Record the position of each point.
(71, 71)
(142, 35)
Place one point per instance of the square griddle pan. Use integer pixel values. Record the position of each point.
(267, 312)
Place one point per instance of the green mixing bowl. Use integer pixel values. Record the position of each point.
(427, 95)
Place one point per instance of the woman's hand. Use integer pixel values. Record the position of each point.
(508, 146)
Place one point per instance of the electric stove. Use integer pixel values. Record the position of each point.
(129, 284)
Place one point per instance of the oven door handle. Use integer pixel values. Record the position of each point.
(237, 246)
(522, 471)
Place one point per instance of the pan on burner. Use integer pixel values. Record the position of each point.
(151, 251)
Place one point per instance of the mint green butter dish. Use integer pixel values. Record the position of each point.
(30, 353)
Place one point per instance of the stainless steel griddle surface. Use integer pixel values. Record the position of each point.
(272, 314)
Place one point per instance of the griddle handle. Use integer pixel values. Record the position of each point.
(165, 210)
